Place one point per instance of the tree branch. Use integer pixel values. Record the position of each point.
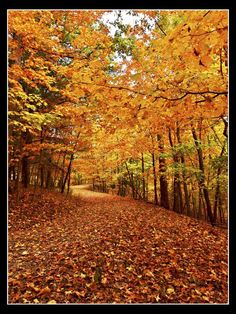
(160, 96)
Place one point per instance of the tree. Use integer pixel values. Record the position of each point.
(143, 110)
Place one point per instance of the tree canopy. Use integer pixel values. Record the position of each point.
(142, 109)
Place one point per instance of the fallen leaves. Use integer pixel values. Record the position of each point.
(170, 290)
(44, 291)
(134, 256)
(52, 302)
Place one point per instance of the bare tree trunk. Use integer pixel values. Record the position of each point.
(27, 137)
(199, 213)
(68, 182)
(135, 191)
(178, 200)
(186, 194)
(49, 181)
(225, 132)
(143, 179)
(25, 171)
(202, 177)
(162, 169)
(69, 166)
(67, 173)
(154, 179)
(217, 192)
(131, 179)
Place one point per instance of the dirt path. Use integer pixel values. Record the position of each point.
(98, 248)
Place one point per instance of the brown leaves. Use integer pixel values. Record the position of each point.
(114, 250)
(44, 291)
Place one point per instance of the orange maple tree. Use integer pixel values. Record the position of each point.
(148, 104)
(134, 104)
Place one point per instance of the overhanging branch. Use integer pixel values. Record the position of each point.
(215, 93)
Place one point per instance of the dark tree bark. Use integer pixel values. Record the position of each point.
(143, 179)
(186, 193)
(27, 138)
(134, 188)
(41, 176)
(67, 173)
(202, 177)
(41, 163)
(69, 166)
(178, 200)
(154, 179)
(225, 132)
(217, 191)
(164, 200)
(25, 171)
(68, 182)
(131, 180)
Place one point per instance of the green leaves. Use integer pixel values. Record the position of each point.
(220, 162)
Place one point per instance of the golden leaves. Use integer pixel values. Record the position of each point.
(52, 302)
(170, 290)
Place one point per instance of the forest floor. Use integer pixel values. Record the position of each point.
(99, 248)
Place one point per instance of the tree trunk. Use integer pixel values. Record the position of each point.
(41, 175)
(164, 201)
(68, 182)
(143, 179)
(49, 181)
(217, 192)
(25, 171)
(131, 179)
(202, 177)
(225, 132)
(27, 139)
(199, 213)
(135, 191)
(69, 166)
(178, 200)
(186, 194)
(67, 173)
(154, 179)
(61, 180)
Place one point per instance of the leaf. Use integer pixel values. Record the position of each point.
(80, 293)
(52, 302)
(205, 298)
(157, 298)
(148, 273)
(104, 280)
(170, 290)
(82, 275)
(44, 291)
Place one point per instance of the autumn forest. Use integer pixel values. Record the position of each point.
(117, 156)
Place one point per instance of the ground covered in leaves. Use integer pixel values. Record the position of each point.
(98, 248)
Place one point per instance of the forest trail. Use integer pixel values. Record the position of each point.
(84, 191)
(99, 248)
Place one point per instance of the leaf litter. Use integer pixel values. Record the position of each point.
(98, 248)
